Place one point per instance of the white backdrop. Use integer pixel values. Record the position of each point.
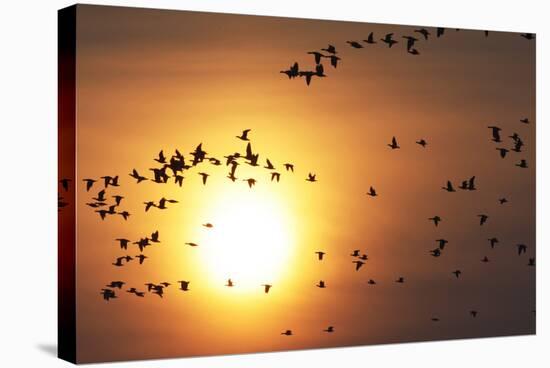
(28, 113)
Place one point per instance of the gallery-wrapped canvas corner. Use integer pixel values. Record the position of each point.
(233, 184)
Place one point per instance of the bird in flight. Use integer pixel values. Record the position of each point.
(371, 282)
(330, 49)
(136, 292)
(410, 41)
(311, 178)
(522, 164)
(329, 329)
(358, 264)
(107, 294)
(496, 133)
(355, 253)
(123, 243)
(229, 283)
(449, 188)
(422, 142)
(333, 60)
(424, 32)
(393, 144)
(208, 225)
(493, 241)
(100, 196)
(355, 44)
(442, 243)
(372, 192)
(524, 120)
(204, 177)
(289, 167)
(124, 214)
(440, 31)
(275, 176)
(522, 248)
(251, 182)
(370, 39)
(136, 176)
(317, 56)
(502, 200)
(269, 165)
(321, 284)
(287, 333)
(192, 244)
(502, 151)
(116, 284)
(292, 72)
(320, 255)
(485, 259)
(266, 288)
(413, 51)
(149, 205)
(244, 135)
(89, 183)
(400, 280)
(435, 219)
(184, 285)
(473, 313)
(531, 262)
(435, 252)
(65, 183)
(457, 273)
(482, 219)
(389, 40)
(141, 258)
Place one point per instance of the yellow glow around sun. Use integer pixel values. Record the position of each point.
(250, 242)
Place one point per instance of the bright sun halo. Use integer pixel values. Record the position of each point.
(250, 242)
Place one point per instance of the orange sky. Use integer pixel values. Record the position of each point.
(151, 80)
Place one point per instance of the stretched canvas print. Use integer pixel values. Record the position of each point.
(233, 184)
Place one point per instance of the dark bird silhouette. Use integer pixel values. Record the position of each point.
(486, 33)
(457, 273)
(388, 39)
(440, 32)
(118, 262)
(321, 284)
(502, 151)
(123, 243)
(178, 179)
(320, 255)
(317, 56)
(482, 219)
(292, 72)
(184, 285)
(435, 219)
(464, 185)
(311, 178)
(372, 192)
(493, 241)
(155, 237)
(400, 280)
(204, 177)
(496, 133)
(116, 284)
(308, 74)
(118, 198)
(192, 244)
(160, 176)
(100, 196)
(141, 258)
(136, 176)
(393, 144)
(251, 182)
(289, 167)
(89, 183)
(268, 165)
(410, 41)
(229, 283)
(449, 187)
(522, 164)
(198, 155)
(149, 205)
(136, 292)
(502, 200)
(107, 294)
(471, 183)
(524, 120)
(363, 257)
(320, 70)
(287, 333)
(422, 142)
(413, 52)
(142, 243)
(358, 264)
(102, 213)
(162, 203)
(275, 176)
(266, 288)
(355, 253)
(208, 225)
(485, 259)
(531, 262)
(65, 183)
(518, 143)
(522, 248)
(329, 329)
(333, 60)
(161, 158)
(370, 39)
(435, 252)
(528, 36)
(473, 313)
(371, 282)
(442, 243)
(330, 49)
(355, 44)
(244, 135)
(435, 319)
(424, 32)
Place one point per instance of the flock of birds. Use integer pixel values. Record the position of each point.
(174, 167)
(330, 51)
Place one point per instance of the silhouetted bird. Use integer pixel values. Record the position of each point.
(388, 39)
(192, 244)
(141, 258)
(524, 120)
(317, 56)
(118, 262)
(155, 237)
(287, 333)
(320, 70)
(413, 52)
(422, 142)
(184, 285)
(65, 183)
(123, 243)
(493, 241)
(137, 293)
(435, 319)
(100, 196)
(208, 225)
(244, 135)
(473, 313)
(502, 151)
(449, 187)
(457, 273)
(528, 36)
(292, 72)
(268, 165)
(372, 192)
(289, 167)
(320, 255)
(517, 145)
(333, 60)
(275, 176)
(502, 200)
(522, 164)
(358, 264)
(89, 183)
(435, 252)
(486, 33)
(410, 41)
(136, 176)
(363, 257)
(107, 294)
(251, 182)
(531, 262)
(393, 144)
(400, 280)
(142, 243)
(102, 213)
(355, 253)
(118, 198)
(266, 288)
(329, 329)
(355, 44)
(482, 219)
(161, 159)
(116, 284)
(435, 219)
(229, 283)
(321, 284)
(496, 133)
(485, 259)
(178, 179)
(370, 39)
(442, 243)
(204, 177)
(440, 31)
(149, 205)
(308, 74)
(330, 49)
(311, 177)
(371, 282)
(424, 32)
(522, 248)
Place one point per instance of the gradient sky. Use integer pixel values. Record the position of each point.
(155, 79)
